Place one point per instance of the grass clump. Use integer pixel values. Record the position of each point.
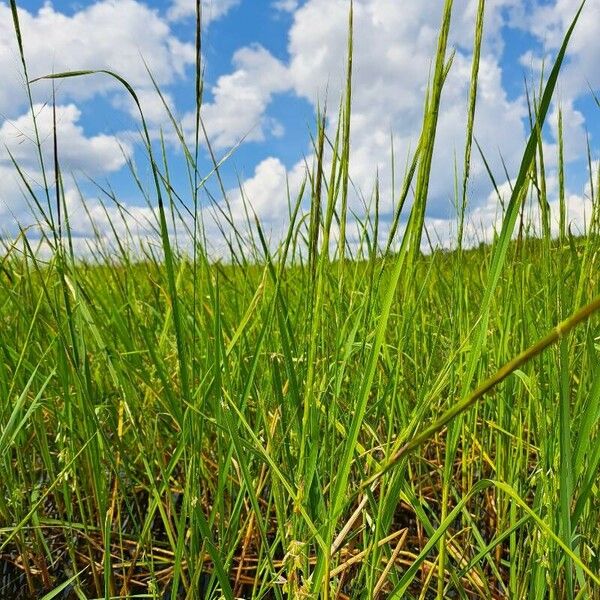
(299, 421)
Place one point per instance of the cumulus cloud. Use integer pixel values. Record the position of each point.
(98, 227)
(96, 154)
(241, 98)
(88, 214)
(394, 46)
(123, 36)
(485, 220)
(264, 194)
(393, 53)
(92, 155)
(127, 37)
(394, 49)
(548, 23)
(266, 190)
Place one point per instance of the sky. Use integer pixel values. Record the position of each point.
(268, 65)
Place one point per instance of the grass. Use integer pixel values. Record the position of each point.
(304, 420)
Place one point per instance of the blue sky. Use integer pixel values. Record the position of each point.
(268, 64)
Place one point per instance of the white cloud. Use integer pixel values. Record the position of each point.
(123, 36)
(88, 213)
(118, 36)
(153, 107)
(393, 53)
(96, 154)
(394, 49)
(394, 45)
(548, 22)
(266, 190)
(94, 225)
(211, 9)
(264, 194)
(241, 98)
(485, 220)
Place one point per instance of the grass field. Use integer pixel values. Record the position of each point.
(301, 420)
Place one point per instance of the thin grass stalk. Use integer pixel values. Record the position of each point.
(471, 116)
(562, 226)
(345, 158)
